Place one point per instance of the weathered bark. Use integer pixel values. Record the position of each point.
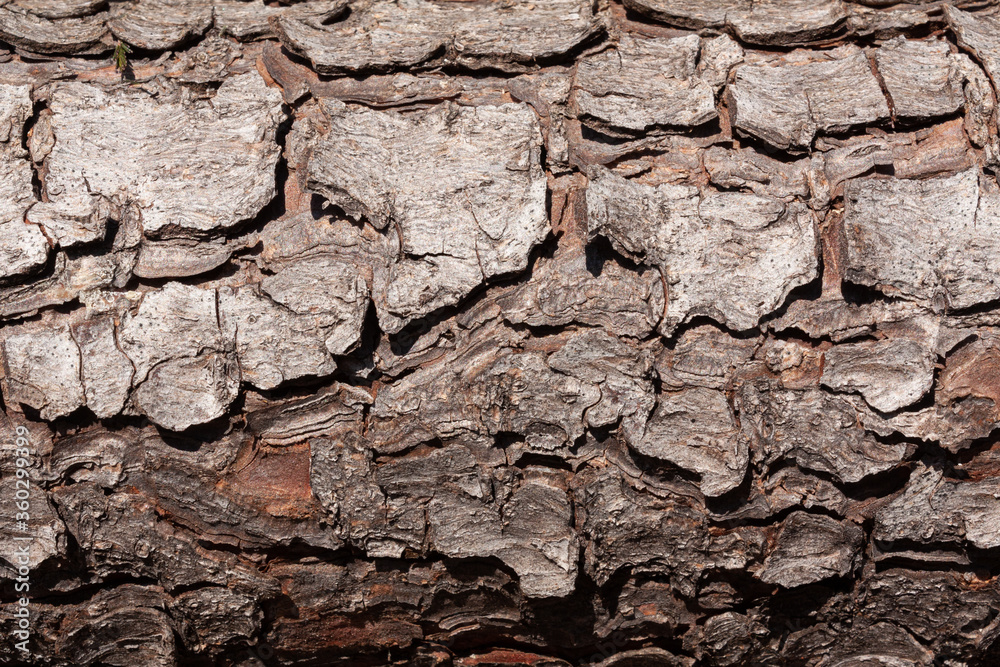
(454, 333)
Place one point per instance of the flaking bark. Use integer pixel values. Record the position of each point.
(455, 333)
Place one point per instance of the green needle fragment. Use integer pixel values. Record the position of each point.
(120, 56)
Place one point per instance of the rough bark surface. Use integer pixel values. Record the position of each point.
(476, 333)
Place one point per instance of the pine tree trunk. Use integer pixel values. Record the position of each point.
(457, 333)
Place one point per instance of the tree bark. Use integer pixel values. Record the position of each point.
(470, 333)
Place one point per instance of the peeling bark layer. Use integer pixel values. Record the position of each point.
(455, 333)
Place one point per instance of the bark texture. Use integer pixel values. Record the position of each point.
(469, 333)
